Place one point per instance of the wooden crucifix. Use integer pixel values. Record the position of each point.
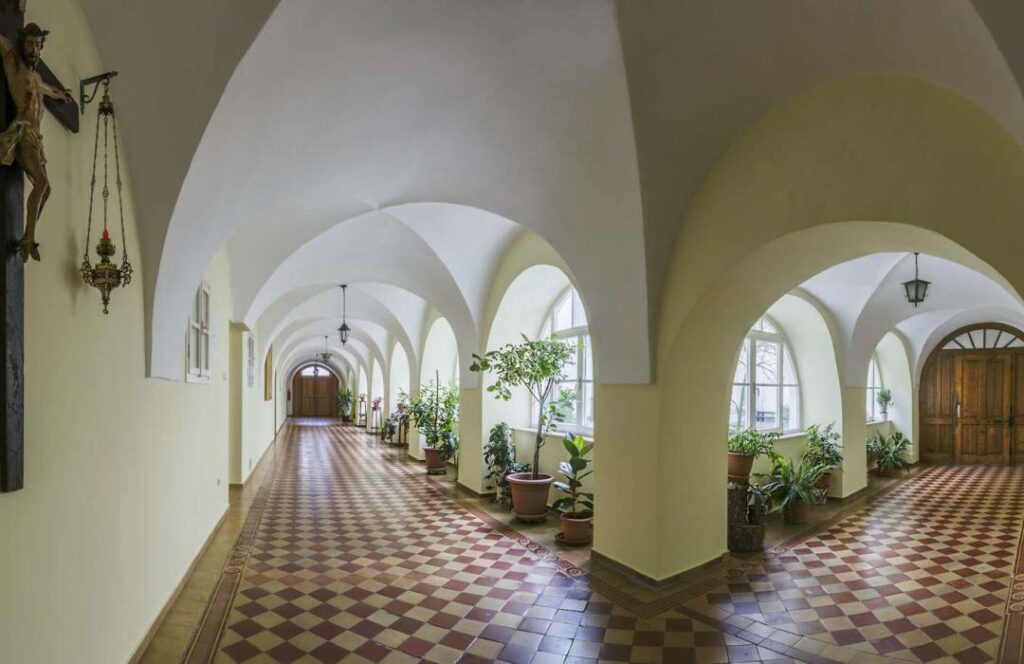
(12, 274)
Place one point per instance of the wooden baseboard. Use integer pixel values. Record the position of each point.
(151, 632)
(621, 568)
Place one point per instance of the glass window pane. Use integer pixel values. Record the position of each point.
(766, 362)
(738, 407)
(789, 376)
(205, 313)
(790, 408)
(579, 317)
(588, 405)
(870, 405)
(766, 414)
(766, 326)
(741, 375)
(571, 386)
(563, 314)
(588, 359)
(193, 349)
(569, 371)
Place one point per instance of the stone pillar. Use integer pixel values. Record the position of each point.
(471, 453)
(854, 476)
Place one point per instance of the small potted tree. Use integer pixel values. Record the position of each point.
(884, 400)
(792, 487)
(577, 506)
(535, 365)
(434, 412)
(823, 450)
(345, 402)
(744, 447)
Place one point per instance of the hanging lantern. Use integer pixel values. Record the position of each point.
(344, 330)
(326, 355)
(916, 288)
(105, 276)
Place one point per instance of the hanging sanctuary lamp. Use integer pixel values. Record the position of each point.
(104, 275)
(344, 330)
(916, 288)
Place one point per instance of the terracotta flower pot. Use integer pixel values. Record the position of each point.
(796, 512)
(577, 530)
(739, 466)
(529, 496)
(886, 471)
(435, 464)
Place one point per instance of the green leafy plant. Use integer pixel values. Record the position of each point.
(535, 365)
(789, 482)
(500, 457)
(574, 470)
(753, 442)
(888, 452)
(390, 427)
(435, 412)
(823, 448)
(345, 400)
(884, 399)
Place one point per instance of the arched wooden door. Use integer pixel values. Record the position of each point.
(972, 391)
(314, 392)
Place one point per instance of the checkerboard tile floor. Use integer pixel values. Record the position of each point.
(920, 575)
(357, 558)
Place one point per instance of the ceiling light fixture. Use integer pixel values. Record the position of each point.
(916, 288)
(344, 330)
(326, 355)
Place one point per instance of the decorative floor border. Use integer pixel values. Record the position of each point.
(202, 647)
(1011, 641)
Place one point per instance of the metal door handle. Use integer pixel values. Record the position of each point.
(958, 410)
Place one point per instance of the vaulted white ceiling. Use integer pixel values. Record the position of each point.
(401, 146)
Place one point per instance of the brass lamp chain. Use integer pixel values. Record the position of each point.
(126, 268)
(92, 193)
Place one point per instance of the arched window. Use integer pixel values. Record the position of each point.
(874, 385)
(314, 370)
(769, 382)
(568, 321)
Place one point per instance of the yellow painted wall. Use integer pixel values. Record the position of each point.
(125, 476)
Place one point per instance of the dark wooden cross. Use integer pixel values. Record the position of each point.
(12, 276)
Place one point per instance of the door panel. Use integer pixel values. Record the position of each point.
(984, 390)
(938, 409)
(1016, 426)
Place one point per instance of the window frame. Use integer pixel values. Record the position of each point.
(250, 360)
(198, 337)
(580, 334)
(874, 415)
(750, 382)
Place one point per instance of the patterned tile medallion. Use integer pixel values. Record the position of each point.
(350, 554)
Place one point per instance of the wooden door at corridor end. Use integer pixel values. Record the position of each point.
(314, 395)
(972, 388)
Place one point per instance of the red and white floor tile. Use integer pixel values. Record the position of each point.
(350, 555)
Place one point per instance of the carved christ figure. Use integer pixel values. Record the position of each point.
(22, 140)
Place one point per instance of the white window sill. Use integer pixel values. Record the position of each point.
(588, 435)
(193, 378)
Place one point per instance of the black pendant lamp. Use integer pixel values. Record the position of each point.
(344, 330)
(326, 355)
(916, 288)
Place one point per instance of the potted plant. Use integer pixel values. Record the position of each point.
(745, 446)
(823, 449)
(434, 412)
(345, 402)
(884, 400)
(535, 365)
(390, 428)
(889, 453)
(577, 506)
(500, 457)
(792, 487)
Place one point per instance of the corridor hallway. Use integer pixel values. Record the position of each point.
(349, 553)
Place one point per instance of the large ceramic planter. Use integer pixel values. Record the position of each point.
(887, 471)
(436, 465)
(530, 496)
(739, 466)
(796, 512)
(577, 530)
